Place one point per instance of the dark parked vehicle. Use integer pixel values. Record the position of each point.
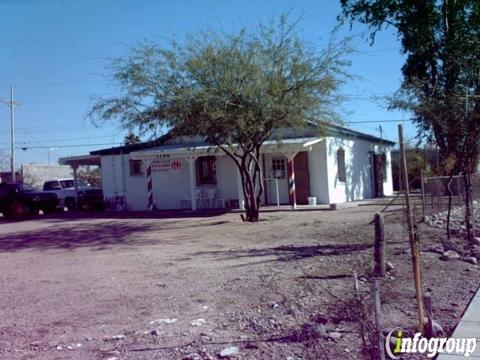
(19, 199)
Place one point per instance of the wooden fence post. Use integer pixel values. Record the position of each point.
(413, 239)
(379, 253)
(428, 309)
(377, 309)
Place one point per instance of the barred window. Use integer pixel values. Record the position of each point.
(206, 170)
(136, 168)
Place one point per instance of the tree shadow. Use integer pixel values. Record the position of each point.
(285, 253)
(97, 236)
(157, 214)
(99, 231)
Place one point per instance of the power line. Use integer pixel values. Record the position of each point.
(68, 146)
(360, 96)
(45, 127)
(48, 101)
(60, 83)
(376, 121)
(49, 131)
(67, 139)
(76, 129)
(39, 151)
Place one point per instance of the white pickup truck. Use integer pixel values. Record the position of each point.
(89, 197)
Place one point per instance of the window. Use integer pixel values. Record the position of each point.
(341, 165)
(52, 185)
(136, 168)
(206, 170)
(66, 184)
(24, 187)
(278, 168)
(384, 166)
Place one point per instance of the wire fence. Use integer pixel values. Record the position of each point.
(435, 193)
(430, 204)
(435, 200)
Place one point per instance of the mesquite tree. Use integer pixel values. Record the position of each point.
(234, 90)
(441, 75)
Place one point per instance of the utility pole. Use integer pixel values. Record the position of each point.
(12, 104)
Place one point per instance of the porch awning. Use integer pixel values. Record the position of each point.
(181, 150)
(76, 161)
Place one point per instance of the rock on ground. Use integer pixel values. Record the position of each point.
(334, 335)
(450, 255)
(230, 351)
(470, 259)
(389, 266)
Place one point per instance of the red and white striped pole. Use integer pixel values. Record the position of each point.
(149, 185)
(291, 181)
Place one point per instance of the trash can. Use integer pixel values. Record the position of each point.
(312, 200)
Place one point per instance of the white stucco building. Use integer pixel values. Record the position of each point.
(186, 173)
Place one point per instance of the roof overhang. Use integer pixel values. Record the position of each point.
(269, 146)
(76, 161)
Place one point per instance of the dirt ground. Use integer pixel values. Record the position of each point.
(113, 287)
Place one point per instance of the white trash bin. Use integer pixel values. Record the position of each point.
(312, 200)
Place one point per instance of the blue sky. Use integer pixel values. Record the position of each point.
(55, 53)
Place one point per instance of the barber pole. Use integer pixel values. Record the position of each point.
(149, 185)
(291, 183)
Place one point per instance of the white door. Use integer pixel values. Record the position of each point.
(277, 169)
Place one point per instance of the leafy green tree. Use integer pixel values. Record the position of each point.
(441, 42)
(235, 90)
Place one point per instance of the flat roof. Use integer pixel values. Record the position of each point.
(80, 160)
